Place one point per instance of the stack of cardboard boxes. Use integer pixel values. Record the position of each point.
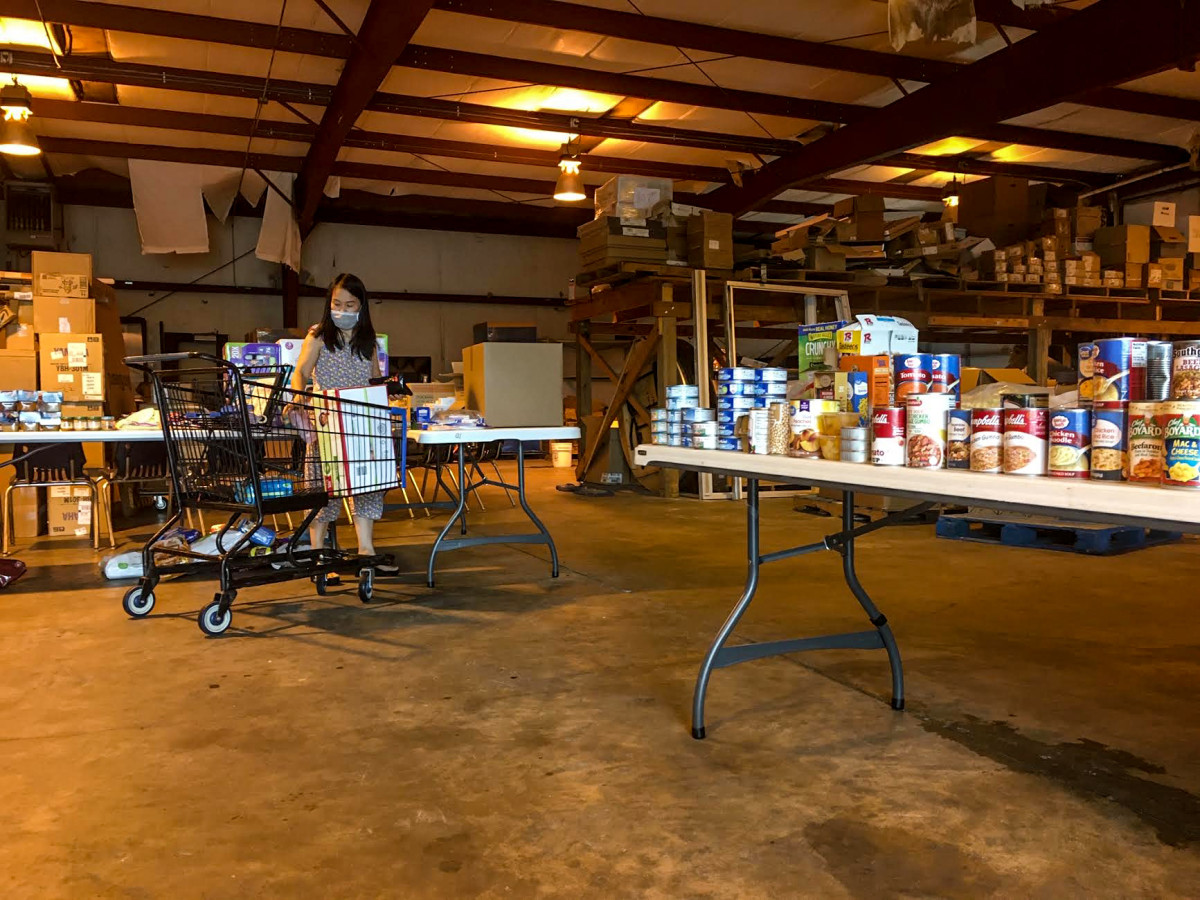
(1144, 256)
(66, 336)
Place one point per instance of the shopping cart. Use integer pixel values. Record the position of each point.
(240, 441)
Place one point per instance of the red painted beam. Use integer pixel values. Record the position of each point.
(1031, 74)
(386, 30)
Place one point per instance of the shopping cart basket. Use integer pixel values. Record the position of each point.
(241, 441)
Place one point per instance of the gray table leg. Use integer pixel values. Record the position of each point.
(460, 512)
(529, 512)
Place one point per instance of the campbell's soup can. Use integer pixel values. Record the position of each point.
(958, 439)
(912, 374)
(1070, 443)
(888, 429)
(946, 370)
(1086, 367)
(1185, 370)
(1112, 366)
(1025, 441)
(926, 430)
(1110, 425)
(1180, 420)
(1145, 443)
(987, 440)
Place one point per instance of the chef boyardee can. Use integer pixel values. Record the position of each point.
(1145, 443)
(887, 436)
(1070, 443)
(1113, 364)
(987, 440)
(912, 374)
(946, 372)
(1185, 371)
(1180, 420)
(958, 439)
(1109, 427)
(1025, 433)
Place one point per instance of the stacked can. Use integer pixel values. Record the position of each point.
(887, 436)
(1086, 369)
(946, 374)
(770, 385)
(912, 374)
(735, 398)
(700, 425)
(1180, 422)
(1026, 440)
(1145, 443)
(958, 439)
(987, 440)
(660, 425)
(1070, 443)
(1185, 370)
(1120, 377)
(680, 399)
(856, 444)
(1158, 371)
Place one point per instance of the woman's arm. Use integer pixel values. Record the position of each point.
(309, 352)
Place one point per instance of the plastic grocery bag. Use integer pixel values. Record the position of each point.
(123, 565)
(931, 20)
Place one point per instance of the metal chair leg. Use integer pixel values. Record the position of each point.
(10, 532)
(420, 497)
(94, 500)
(500, 478)
(407, 502)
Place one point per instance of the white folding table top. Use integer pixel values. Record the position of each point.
(487, 435)
(1070, 498)
(87, 437)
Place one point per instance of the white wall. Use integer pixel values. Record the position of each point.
(387, 259)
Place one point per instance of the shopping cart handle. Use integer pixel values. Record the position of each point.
(140, 362)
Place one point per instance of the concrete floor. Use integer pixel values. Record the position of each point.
(511, 736)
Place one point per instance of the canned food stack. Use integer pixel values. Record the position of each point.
(1119, 372)
(681, 399)
(736, 387)
(855, 444)
(1159, 359)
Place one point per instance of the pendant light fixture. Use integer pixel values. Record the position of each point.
(569, 188)
(16, 137)
(950, 192)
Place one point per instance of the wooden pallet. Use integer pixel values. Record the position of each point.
(1051, 534)
(630, 269)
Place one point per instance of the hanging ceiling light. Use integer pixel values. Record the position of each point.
(950, 192)
(16, 137)
(569, 188)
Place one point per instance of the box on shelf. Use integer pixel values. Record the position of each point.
(1003, 209)
(64, 315)
(83, 409)
(1085, 221)
(1167, 242)
(871, 335)
(68, 511)
(710, 240)
(972, 376)
(634, 197)
(18, 370)
(1121, 244)
(1135, 275)
(18, 334)
(505, 332)
(61, 274)
(73, 364)
(1172, 273)
(866, 218)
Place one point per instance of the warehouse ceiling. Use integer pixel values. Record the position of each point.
(455, 110)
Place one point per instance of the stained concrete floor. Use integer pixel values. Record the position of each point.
(507, 735)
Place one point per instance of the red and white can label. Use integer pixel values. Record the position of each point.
(888, 436)
(1025, 432)
(987, 440)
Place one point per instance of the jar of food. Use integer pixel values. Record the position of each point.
(108, 423)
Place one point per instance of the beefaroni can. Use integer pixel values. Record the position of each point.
(1025, 433)
(1180, 420)
(1109, 457)
(1070, 443)
(1145, 443)
(912, 374)
(987, 440)
(887, 436)
(958, 439)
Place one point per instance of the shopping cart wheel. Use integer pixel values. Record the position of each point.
(160, 502)
(322, 586)
(212, 621)
(366, 584)
(137, 602)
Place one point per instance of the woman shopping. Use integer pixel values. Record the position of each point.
(340, 352)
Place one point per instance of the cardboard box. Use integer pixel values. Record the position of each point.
(1085, 221)
(879, 375)
(61, 274)
(18, 334)
(1167, 242)
(68, 511)
(873, 335)
(1134, 275)
(64, 315)
(1172, 274)
(1163, 213)
(18, 370)
(73, 364)
(1154, 275)
(1123, 244)
(971, 377)
(710, 240)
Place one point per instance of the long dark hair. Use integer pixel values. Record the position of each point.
(362, 339)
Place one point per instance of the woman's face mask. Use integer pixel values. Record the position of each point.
(343, 320)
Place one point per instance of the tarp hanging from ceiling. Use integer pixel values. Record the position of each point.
(169, 204)
(931, 20)
(279, 239)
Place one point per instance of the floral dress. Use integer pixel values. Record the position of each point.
(335, 369)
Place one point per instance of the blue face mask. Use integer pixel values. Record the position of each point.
(344, 320)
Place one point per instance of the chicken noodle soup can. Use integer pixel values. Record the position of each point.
(887, 436)
(912, 373)
(1070, 443)
(925, 444)
(987, 440)
(958, 439)
(1112, 366)
(1025, 441)
(1110, 425)
(946, 372)
(1185, 370)
(1180, 421)
(1145, 443)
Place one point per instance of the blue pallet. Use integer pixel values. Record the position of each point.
(1101, 540)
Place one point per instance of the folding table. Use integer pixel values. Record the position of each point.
(1098, 501)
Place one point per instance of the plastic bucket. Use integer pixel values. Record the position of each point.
(560, 454)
